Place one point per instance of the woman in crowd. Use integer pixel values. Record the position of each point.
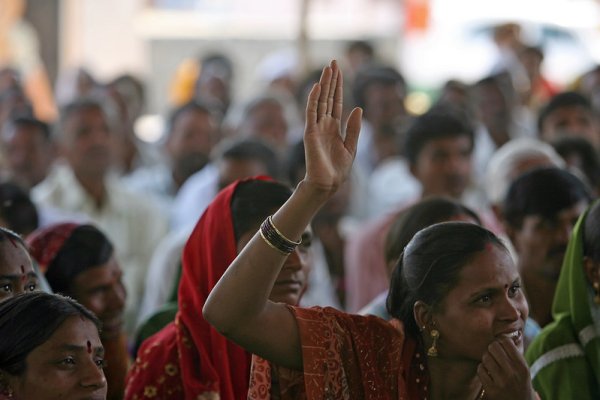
(455, 293)
(189, 359)
(565, 356)
(50, 349)
(78, 261)
(426, 212)
(17, 274)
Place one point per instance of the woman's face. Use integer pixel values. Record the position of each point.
(293, 277)
(16, 270)
(67, 366)
(487, 304)
(101, 290)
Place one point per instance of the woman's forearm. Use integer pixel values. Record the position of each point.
(242, 294)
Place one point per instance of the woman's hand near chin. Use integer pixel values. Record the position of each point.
(504, 373)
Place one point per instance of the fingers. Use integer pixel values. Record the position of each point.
(325, 83)
(312, 106)
(353, 130)
(335, 73)
(338, 100)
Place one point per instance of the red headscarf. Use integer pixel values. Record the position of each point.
(44, 244)
(189, 356)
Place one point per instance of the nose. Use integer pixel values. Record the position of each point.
(118, 294)
(294, 261)
(511, 309)
(563, 232)
(92, 376)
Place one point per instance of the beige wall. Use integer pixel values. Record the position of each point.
(100, 34)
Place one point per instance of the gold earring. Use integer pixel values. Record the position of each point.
(432, 351)
(596, 286)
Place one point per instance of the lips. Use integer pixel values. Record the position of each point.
(515, 335)
(289, 282)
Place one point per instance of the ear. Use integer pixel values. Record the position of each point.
(591, 269)
(423, 315)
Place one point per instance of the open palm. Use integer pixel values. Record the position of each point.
(329, 154)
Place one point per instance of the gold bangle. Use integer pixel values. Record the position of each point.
(270, 219)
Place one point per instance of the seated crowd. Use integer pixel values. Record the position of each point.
(308, 244)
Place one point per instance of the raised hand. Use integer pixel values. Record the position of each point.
(503, 372)
(329, 154)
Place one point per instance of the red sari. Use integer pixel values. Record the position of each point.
(189, 359)
(347, 357)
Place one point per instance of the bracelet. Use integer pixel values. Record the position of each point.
(276, 239)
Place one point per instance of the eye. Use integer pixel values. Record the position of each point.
(68, 361)
(32, 287)
(6, 288)
(100, 363)
(484, 299)
(514, 290)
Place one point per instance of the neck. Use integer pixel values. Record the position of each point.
(94, 186)
(540, 294)
(453, 379)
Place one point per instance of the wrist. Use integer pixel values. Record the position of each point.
(315, 192)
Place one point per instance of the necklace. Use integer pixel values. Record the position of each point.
(482, 394)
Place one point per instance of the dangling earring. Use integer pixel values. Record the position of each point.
(432, 351)
(596, 286)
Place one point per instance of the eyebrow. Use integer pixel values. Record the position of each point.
(17, 276)
(75, 347)
(492, 290)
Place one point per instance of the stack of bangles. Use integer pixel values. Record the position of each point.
(276, 239)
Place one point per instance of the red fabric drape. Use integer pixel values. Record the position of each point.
(189, 355)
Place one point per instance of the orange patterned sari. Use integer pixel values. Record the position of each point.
(345, 357)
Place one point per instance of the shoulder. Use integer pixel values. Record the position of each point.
(555, 344)
(367, 328)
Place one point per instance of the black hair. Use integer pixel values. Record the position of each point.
(375, 75)
(295, 163)
(86, 247)
(30, 121)
(435, 124)
(430, 267)
(223, 62)
(542, 191)
(591, 233)
(253, 201)
(566, 146)
(193, 105)
(12, 237)
(29, 320)
(429, 211)
(17, 209)
(362, 46)
(562, 100)
(254, 149)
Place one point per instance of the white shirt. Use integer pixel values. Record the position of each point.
(133, 224)
(194, 196)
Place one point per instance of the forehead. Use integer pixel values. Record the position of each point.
(566, 214)
(192, 115)
(86, 114)
(98, 274)
(456, 142)
(12, 257)
(568, 112)
(22, 131)
(75, 330)
(492, 267)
